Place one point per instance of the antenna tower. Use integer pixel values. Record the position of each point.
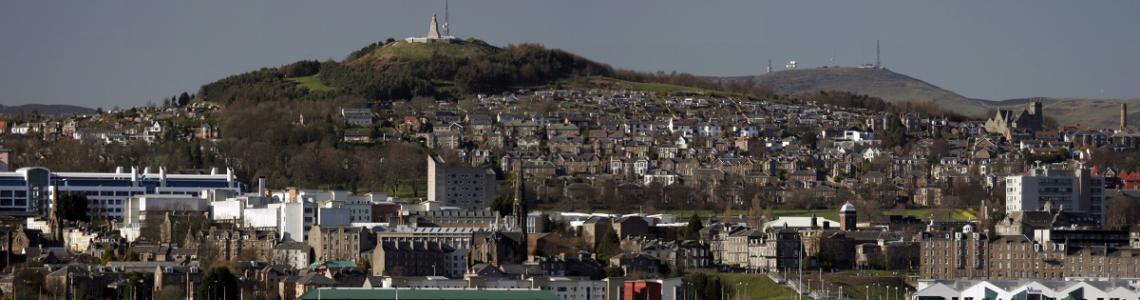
(878, 56)
(446, 25)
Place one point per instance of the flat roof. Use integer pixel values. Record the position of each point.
(425, 294)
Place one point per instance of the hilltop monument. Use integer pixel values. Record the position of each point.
(433, 34)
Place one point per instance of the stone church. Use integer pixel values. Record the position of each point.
(1010, 124)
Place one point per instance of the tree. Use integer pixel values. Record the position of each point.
(895, 134)
(183, 99)
(219, 283)
(693, 231)
(108, 256)
(614, 271)
(503, 204)
(132, 255)
(608, 246)
(73, 207)
(704, 286)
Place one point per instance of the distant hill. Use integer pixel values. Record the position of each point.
(47, 110)
(1096, 113)
(401, 51)
(392, 70)
(883, 83)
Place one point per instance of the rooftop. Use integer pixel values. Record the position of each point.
(410, 294)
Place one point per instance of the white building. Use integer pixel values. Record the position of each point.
(356, 116)
(660, 176)
(1070, 190)
(567, 288)
(27, 189)
(137, 207)
(801, 223)
(1104, 289)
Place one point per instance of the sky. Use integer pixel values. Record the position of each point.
(126, 53)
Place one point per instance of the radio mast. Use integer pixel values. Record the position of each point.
(878, 57)
(446, 25)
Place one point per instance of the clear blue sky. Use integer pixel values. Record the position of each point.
(124, 53)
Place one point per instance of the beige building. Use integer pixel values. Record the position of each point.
(1050, 254)
(423, 258)
(947, 255)
(341, 243)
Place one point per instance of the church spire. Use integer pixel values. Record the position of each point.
(519, 210)
(56, 223)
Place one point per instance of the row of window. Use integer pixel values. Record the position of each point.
(16, 193)
(18, 202)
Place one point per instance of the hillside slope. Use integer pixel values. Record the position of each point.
(883, 83)
(53, 110)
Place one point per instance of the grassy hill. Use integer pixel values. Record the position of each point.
(883, 83)
(312, 82)
(401, 70)
(54, 110)
(402, 51)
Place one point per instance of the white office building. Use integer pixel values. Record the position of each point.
(1075, 191)
(26, 191)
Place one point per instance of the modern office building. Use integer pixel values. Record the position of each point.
(1074, 191)
(26, 191)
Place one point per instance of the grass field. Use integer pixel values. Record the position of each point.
(757, 287)
(312, 83)
(404, 51)
(869, 285)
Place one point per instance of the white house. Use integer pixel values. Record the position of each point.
(747, 131)
(708, 129)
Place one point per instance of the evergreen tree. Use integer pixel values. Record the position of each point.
(183, 99)
(608, 246)
(693, 230)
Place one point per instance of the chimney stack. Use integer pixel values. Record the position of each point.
(261, 186)
(1124, 116)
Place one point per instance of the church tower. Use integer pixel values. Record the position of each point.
(519, 210)
(847, 217)
(55, 218)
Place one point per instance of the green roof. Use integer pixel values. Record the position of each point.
(424, 294)
(333, 264)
